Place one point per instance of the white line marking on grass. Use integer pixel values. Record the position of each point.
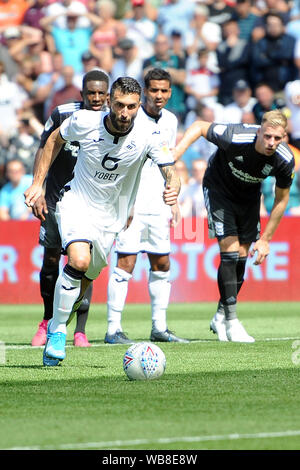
(96, 345)
(163, 440)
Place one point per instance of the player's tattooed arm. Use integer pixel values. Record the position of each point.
(172, 187)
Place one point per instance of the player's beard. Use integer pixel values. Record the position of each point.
(119, 125)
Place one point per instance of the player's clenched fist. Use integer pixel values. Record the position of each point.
(170, 195)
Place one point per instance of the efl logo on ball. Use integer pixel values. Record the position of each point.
(144, 361)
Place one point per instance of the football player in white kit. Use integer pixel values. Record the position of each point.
(95, 204)
(149, 230)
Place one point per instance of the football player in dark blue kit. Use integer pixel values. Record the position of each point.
(246, 155)
(94, 97)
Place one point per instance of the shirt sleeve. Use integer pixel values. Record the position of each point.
(160, 153)
(74, 127)
(286, 175)
(220, 135)
(51, 124)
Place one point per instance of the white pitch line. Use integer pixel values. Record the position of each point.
(96, 345)
(164, 440)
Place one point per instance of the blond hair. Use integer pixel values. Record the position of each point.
(275, 118)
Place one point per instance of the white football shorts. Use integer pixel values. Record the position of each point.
(77, 222)
(146, 233)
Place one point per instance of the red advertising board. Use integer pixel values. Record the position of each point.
(194, 262)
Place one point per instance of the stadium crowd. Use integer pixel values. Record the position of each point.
(230, 61)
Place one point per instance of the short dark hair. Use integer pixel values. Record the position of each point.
(97, 75)
(127, 86)
(272, 13)
(157, 74)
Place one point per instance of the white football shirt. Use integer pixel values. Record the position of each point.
(149, 199)
(108, 168)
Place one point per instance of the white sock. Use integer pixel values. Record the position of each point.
(116, 296)
(220, 316)
(64, 300)
(159, 287)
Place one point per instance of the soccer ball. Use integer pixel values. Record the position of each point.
(144, 361)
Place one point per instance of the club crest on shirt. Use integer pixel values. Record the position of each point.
(267, 169)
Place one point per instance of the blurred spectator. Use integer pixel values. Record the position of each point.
(220, 11)
(272, 59)
(202, 33)
(11, 194)
(292, 98)
(280, 7)
(233, 55)
(89, 62)
(266, 101)
(26, 45)
(59, 9)
(243, 102)
(71, 41)
(25, 143)
(35, 13)
(141, 29)
(68, 93)
(175, 15)
(295, 10)
(175, 65)
(12, 12)
(48, 83)
(245, 17)
(195, 191)
(12, 98)
(177, 45)
(297, 56)
(16, 38)
(27, 79)
(107, 34)
(184, 199)
(293, 25)
(11, 66)
(129, 64)
(201, 85)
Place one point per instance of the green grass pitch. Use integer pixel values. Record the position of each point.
(213, 395)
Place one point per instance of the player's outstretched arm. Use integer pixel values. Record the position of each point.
(172, 187)
(261, 247)
(196, 130)
(42, 165)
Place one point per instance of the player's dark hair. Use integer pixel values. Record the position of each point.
(126, 85)
(157, 74)
(95, 75)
